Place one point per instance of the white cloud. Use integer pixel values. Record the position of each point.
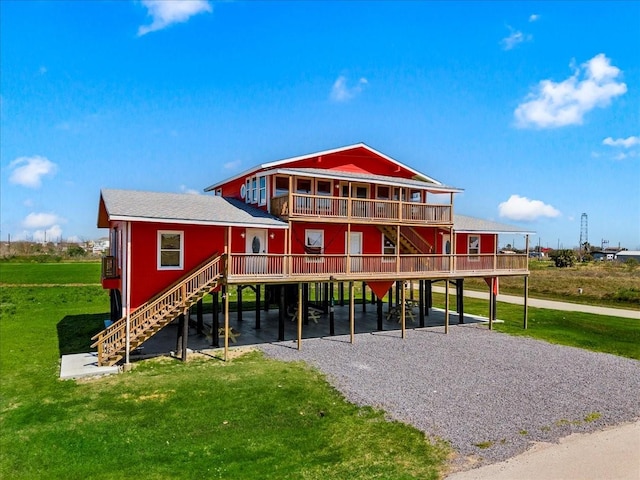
(167, 12)
(514, 39)
(51, 234)
(41, 220)
(233, 165)
(190, 191)
(534, 17)
(28, 171)
(522, 208)
(341, 92)
(565, 103)
(622, 142)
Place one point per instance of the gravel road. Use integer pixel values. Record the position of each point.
(489, 394)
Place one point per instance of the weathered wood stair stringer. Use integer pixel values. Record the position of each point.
(150, 317)
(410, 240)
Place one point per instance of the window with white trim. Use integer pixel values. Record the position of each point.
(473, 246)
(170, 250)
(262, 194)
(388, 249)
(314, 244)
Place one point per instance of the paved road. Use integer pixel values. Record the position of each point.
(613, 453)
(552, 304)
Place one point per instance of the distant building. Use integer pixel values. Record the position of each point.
(625, 255)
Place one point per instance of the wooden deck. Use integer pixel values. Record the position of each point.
(359, 210)
(268, 268)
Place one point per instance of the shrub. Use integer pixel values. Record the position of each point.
(563, 258)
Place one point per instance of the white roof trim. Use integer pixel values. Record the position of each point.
(316, 154)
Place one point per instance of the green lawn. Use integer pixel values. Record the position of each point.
(52, 273)
(248, 418)
(599, 333)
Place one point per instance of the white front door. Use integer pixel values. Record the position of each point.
(255, 247)
(446, 250)
(355, 248)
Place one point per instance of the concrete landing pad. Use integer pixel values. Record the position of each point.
(81, 365)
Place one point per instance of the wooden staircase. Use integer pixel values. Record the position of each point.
(410, 241)
(149, 318)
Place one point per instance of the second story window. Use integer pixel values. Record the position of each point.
(282, 186)
(262, 190)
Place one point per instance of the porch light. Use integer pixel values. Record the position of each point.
(272, 235)
(242, 234)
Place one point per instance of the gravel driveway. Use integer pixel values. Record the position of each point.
(489, 394)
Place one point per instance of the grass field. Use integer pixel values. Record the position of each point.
(599, 333)
(248, 418)
(602, 283)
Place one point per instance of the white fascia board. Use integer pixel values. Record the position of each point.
(284, 226)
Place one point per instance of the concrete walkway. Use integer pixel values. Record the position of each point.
(552, 304)
(613, 453)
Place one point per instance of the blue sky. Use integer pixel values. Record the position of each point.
(532, 108)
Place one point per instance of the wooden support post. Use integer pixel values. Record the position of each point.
(325, 300)
(199, 318)
(373, 297)
(397, 293)
(332, 322)
(352, 313)
(526, 301)
(281, 314)
(239, 303)
(428, 296)
(301, 304)
(225, 296)
(364, 297)
(180, 336)
(446, 306)
(460, 297)
(491, 304)
(379, 313)
(390, 300)
(185, 337)
(403, 309)
(215, 321)
(304, 290)
(421, 302)
(341, 293)
(258, 306)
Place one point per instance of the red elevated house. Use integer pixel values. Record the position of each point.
(338, 216)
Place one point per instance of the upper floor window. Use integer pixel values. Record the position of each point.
(262, 190)
(474, 246)
(282, 186)
(170, 250)
(323, 187)
(314, 241)
(303, 185)
(382, 192)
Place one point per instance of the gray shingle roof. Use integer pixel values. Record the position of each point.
(463, 223)
(184, 208)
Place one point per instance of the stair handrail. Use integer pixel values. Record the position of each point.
(175, 296)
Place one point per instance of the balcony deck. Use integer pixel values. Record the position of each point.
(346, 209)
(267, 268)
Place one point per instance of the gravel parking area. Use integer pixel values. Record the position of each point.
(489, 394)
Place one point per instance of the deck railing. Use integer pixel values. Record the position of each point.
(359, 209)
(278, 267)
